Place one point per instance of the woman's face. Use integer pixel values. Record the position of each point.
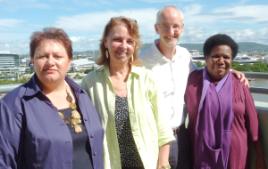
(119, 44)
(219, 62)
(51, 62)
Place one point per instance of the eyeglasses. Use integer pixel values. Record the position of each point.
(167, 27)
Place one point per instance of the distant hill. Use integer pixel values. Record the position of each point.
(244, 47)
(248, 47)
(252, 46)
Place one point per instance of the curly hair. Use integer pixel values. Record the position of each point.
(220, 39)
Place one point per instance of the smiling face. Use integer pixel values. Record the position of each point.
(120, 44)
(219, 61)
(50, 62)
(169, 27)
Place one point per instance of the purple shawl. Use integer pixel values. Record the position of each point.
(213, 126)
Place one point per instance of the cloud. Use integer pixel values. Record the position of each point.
(194, 35)
(15, 5)
(95, 22)
(195, 14)
(245, 13)
(81, 43)
(241, 13)
(200, 23)
(10, 22)
(154, 1)
(193, 9)
(164, 1)
(18, 47)
(198, 15)
(199, 35)
(242, 22)
(249, 35)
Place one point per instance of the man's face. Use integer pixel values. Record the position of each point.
(169, 27)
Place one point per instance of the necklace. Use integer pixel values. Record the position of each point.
(75, 119)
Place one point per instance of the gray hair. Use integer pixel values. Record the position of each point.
(160, 12)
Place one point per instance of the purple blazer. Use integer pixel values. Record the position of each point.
(245, 122)
(33, 136)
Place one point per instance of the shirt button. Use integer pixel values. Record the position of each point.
(94, 154)
(91, 136)
(85, 119)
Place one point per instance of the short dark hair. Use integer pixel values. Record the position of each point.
(51, 33)
(220, 39)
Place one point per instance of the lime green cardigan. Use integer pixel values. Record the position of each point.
(149, 127)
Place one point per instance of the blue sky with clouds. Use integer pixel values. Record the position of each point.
(84, 20)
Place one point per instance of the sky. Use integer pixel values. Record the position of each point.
(84, 20)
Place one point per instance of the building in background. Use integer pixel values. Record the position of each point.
(9, 66)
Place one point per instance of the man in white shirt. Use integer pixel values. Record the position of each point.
(170, 65)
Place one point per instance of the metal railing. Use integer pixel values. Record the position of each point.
(257, 75)
(253, 75)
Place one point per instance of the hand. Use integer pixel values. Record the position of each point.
(163, 157)
(241, 76)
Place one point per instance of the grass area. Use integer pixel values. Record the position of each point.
(248, 67)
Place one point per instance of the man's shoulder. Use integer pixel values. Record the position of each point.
(182, 50)
(150, 56)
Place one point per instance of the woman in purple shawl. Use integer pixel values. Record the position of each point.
(222, 115)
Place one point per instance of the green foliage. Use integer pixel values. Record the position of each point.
(199, 64)
(22, 79)
(7, 81)
(251, 67)
(245, 67)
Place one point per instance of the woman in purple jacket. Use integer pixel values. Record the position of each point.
(222, 115)
(49, 122)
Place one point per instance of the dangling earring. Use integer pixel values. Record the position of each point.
(132, 59)
(107, 53)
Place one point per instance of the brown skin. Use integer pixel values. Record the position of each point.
(51, 63)
(120, 45)
(219, 62)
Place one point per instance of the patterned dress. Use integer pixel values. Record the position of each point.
(128, 150)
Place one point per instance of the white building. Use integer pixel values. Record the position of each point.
(82, 64)
(9, 66)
